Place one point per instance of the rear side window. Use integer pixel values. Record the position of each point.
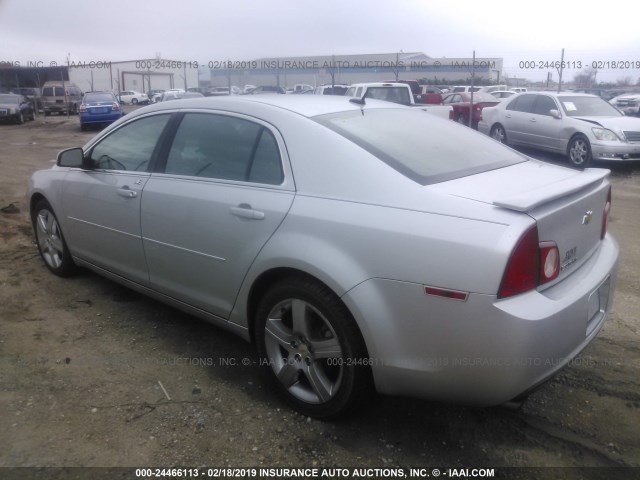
(226, 148)
(390, 94)
(418, 145)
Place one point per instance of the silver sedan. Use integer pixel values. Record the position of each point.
(582, 127)
(362, 246)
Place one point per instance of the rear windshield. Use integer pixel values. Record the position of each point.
(15, 99)
(53, 92)
(390, 94)
(587, 107)
(98, 97)
(419, 145)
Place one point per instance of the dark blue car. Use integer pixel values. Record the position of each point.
(99, 108)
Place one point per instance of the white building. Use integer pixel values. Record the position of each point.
(137, 75)
(347, 69)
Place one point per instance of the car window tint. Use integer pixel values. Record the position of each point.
(544, 104)
(266, 166)
(397, 137)
(524, 103)
(130, 147)
(226, 148)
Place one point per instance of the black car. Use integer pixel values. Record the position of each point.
(33, 94)
(17, 108)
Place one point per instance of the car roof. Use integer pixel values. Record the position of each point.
(305, 105)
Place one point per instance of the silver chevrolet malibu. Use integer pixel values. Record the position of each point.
(362, 246)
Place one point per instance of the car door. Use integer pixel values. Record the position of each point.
(516, 119)
(545, 131)
(102, 204)
(225, 188)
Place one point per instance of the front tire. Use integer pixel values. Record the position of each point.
(51, 243)
(312, 349)
(579, 151)
(134, 101)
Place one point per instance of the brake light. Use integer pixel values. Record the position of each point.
(83, 108)
(115, 106)
(532, 263)
(605, 214)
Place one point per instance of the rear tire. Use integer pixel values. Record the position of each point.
(134, 101)
(498, 133)
(309, 345)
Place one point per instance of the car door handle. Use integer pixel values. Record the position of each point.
(508, 115)
(532, 120)
(244, 210)
(126, 192)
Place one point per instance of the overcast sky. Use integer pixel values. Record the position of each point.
(213, 30)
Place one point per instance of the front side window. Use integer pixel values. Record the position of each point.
(130, 147)
(544, 105)
(226, 148)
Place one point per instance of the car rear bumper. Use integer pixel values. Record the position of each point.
(99, 117)
(481, 351)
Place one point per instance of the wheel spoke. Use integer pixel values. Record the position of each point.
(56, 243)
(279, 332)
(326, 348)
(288, 374)
(42, 222)
(299, 317)
(319, 383)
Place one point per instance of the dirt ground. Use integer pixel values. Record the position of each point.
(85, 363)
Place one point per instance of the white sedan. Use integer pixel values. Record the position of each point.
(133, 97)
(361, 245)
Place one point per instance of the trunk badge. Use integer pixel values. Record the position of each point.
(587, 217)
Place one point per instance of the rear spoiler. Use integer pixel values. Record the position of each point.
(534, 198)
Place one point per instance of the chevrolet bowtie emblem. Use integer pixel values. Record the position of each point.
(587, 217)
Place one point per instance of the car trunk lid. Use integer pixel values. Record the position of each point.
(567, 204)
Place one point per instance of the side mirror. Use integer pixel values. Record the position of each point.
(72, 157)
(555, 114)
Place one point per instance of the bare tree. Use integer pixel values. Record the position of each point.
(586, 78)
(624, 81)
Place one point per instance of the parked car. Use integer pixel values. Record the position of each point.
(217, 91)
(337, 89)
(431, 95)
(167, 96)
(629, 104)
(133, 97)
(15, 108)
(464, 89)
(267, 89)
(502, 94)
(33, 94)
(492, 88)
(61, 98)
(518, 89)
(395, 93)
(583, 127)
(247, 89)
(461, 106)
(154, 95)
(439, 265)
(99, 108)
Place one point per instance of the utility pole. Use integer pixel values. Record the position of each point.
(473, 77)
(560, 71)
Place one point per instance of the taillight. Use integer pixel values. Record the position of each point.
(605, 215)
(532, 263)
(115, 106)
(83, 108)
